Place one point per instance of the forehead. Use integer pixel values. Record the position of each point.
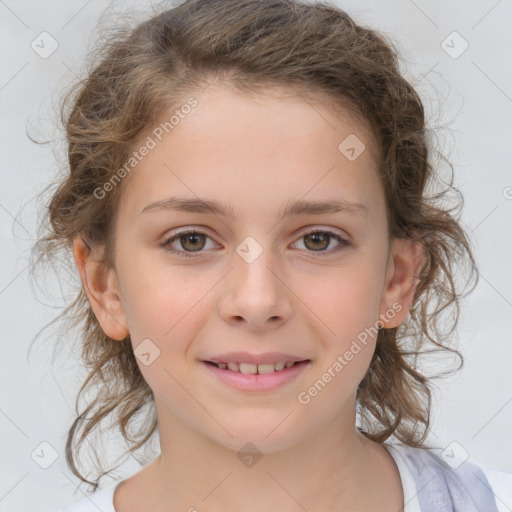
(258, 149)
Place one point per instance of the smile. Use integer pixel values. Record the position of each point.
(252, 377)
(250, 368)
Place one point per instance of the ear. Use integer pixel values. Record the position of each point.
(406, 259)
(100, 284)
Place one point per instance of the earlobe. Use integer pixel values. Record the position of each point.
(406, 260)
(100, 284)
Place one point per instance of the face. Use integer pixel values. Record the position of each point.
(309, 285)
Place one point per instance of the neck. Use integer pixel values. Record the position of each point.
(335, 470)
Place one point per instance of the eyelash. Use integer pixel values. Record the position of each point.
(190, 254)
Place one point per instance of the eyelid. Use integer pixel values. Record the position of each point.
(319, 227)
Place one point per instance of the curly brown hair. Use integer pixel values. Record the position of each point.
(249, 44)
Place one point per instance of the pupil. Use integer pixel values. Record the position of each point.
(315, 237)
(192, 237)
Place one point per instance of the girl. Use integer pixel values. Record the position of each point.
(248, 208)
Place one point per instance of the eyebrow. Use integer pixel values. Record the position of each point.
(300, 207)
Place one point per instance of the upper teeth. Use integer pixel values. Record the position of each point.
(255, 368)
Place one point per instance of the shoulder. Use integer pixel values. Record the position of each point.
(501, 484)
(101, 500)
(448, 478)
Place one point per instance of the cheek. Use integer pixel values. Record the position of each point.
(349, 308)
(163, 321)
(158, 295)
(334, 388)
(348, 301)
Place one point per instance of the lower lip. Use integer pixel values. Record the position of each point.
(257, 382)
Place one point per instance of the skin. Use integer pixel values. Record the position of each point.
(255, 154)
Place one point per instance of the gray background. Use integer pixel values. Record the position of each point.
(471, 95)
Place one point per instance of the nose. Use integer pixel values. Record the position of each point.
(255, 295)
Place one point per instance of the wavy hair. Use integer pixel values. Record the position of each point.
(316, 48)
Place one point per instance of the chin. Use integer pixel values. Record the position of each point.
(249, 438)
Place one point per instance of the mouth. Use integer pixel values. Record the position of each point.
(260, 369)
(258, 372)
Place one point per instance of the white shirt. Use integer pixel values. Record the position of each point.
(500, 482)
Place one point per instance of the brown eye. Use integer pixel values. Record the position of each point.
(317, 241)
(190, 242)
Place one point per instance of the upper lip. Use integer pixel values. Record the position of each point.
(246, 357)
